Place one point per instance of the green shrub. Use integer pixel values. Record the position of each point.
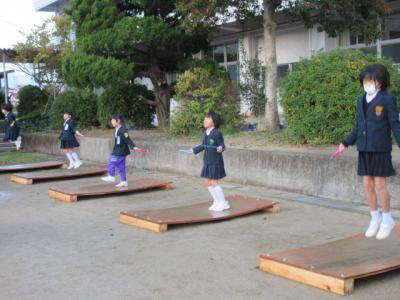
(320, 96)
(40, 124)
(32, 102)
(83, 103)
(124, 99)
(205, 87)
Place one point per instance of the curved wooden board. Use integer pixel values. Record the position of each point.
(31, 166)
(343, 260)
(197, 213)
(72, 193)
(31, 177)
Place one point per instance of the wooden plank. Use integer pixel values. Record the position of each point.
(328, 283)
(129, 220)
(197, 213)
(344, 260)
(274, 209)
(107, 189)
(21, 180)
(31, 166)
(57, 174)
(62, 197)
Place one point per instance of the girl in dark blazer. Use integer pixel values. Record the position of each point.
(213, 162)
(68, 140)
(12, 127)
(121, 150)
(377, 117)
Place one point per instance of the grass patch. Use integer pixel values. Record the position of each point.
(12, 158)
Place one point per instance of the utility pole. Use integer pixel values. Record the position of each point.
(5, 78)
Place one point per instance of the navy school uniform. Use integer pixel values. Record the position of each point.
(122, 142)
(11, 132)
(372, 134)
(67, 135)
(213, 162)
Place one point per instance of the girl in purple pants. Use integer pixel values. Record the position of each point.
(121, 149)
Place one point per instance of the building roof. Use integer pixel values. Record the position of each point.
(50, 5)
(249, 24)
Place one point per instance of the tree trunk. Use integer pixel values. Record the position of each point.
(271, 121)
(163, 100)
(162, 93)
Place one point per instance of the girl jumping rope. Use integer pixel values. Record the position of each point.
(376, 118)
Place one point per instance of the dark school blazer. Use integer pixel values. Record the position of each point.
(372, 131)
(68, 131)
(122, 143)
(209, 145)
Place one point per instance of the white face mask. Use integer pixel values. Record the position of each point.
(370, 89)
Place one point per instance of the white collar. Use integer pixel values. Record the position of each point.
(208, 131)
(371, 97)
(116, 130)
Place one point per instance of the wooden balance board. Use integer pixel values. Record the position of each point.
(31, 177)
(334, 266)
(159, 219)
(32, 166)
(71, 194)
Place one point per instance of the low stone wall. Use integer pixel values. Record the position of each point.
(306, 173)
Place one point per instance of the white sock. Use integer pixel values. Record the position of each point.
(219, 193)
(75, 156)
(69, 156)
(387, 218)
(375, 215)
(213, 194)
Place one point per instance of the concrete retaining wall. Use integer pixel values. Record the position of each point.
(306, 173)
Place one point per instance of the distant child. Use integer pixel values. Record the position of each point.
(120, 151)
(213, 162)
(376, 118)
(68, 140)
(12, 128)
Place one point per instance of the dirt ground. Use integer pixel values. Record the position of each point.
(56, 250)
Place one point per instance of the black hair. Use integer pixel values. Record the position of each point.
(376, 72)
(118, 116)
(216, 118)
(8, 107)
(68, 111)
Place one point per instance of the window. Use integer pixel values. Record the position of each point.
(227, 55)
(391, 26)
(356, 39)
(218, 54)
(282, 71)
(392, 51)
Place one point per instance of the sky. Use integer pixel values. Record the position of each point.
(17, 16)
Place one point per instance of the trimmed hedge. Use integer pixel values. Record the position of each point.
(319, 96)
(32, 102)
(124, 99)
(83, 103)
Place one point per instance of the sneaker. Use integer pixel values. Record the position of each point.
(222, 206)
(214, 204)
(78, 164)
(71, 166)
(122, 184)
(373, 228)
(384, 230)
(108, 178)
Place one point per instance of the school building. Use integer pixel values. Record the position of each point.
(294, 41)
(233, 42)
